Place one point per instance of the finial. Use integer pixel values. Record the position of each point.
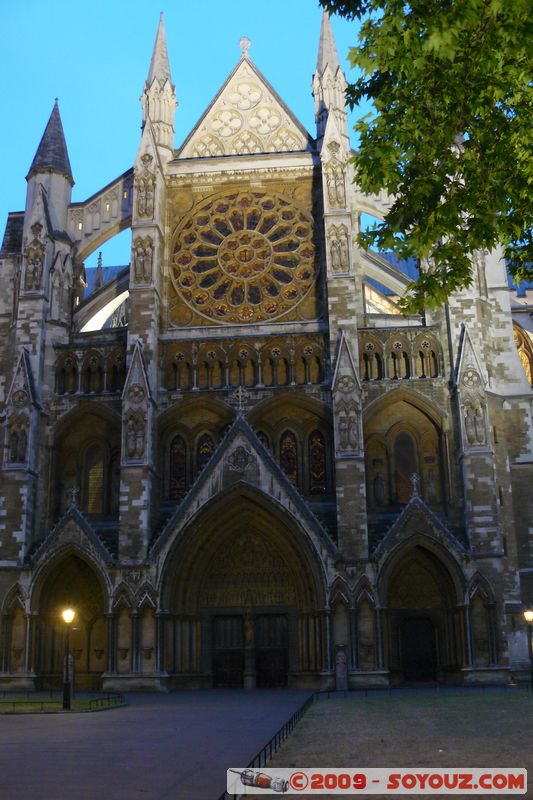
(244, 44)
(415, 480)
(100, 261)
(73, 492)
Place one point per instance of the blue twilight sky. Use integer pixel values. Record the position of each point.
(95, 56)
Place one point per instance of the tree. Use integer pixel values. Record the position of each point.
(451, 137)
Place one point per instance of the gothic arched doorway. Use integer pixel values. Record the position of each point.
(72, 582)
(245, 593)
(425, 640)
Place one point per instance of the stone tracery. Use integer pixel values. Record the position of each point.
(244, 257)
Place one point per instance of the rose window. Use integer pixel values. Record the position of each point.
(244, 257)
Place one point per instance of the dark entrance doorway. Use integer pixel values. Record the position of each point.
(265, 651)
(418, 649)
(271, 655)
(228, 659)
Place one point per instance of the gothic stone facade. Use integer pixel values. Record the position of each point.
(267, 470)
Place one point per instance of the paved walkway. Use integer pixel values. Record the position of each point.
(159, 747)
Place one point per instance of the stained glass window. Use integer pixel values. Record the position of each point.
(204, 450)
(288, 456)
(317, 463)
(178, 468)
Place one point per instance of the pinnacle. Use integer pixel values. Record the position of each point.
(159, 65)
(52, 153)
(327, 50)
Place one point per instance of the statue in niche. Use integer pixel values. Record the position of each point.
(142, 259)
(344, 252)
(130, 438)
(479, 426)
(135, 433)
(343, 432)
(34, 255)
(335, 184)
(145, 189)
(380, 496)
(17, 443)
(335, 251)
(470, 425)
(353, 432)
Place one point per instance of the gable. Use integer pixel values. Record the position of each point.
(246, 117)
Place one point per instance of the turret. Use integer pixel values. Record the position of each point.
(51, 169)
(159, 97)
(329, 84)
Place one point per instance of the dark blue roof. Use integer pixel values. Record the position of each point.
(108, 273)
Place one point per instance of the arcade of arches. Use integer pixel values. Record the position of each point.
(250, 609)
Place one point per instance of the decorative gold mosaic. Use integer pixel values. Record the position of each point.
(244, 257)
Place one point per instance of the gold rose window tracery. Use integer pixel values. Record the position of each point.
(244, 257)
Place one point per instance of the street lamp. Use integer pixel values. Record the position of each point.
(528, 616)
(68, 615)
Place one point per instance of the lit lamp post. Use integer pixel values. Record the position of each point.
(68, 615)
(528, 616)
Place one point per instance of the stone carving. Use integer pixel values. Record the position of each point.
(345, 384)
(336, 189)
(226, 123)
(246, 143)
(284, 141)
(17, 439)
(34, 258)
(143, 252)
(136, 393)
(239, 459)
(145, 188)
(245, 95)
(135, 436)
(471, 378)
(338, 238)
(265, 120)
(348, 426)
(208, 146)
(474, 422)
(415, 482)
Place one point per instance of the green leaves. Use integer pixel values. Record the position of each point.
(451, 140)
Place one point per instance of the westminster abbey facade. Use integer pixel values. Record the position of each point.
(234, 459)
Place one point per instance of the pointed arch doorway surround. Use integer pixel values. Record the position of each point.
(425, 622)
(245, 591)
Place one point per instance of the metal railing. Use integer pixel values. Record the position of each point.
(53, 700)
(272, 746)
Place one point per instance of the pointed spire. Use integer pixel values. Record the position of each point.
(99, 277)
(327, 50)
(159, 65)
(52, 153)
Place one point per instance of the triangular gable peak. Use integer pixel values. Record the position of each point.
(137, 386)
(417, 518)
(241, 459)
(22, 390)
(345, 376)
(246, 117)
(469, 373)
(72, 530)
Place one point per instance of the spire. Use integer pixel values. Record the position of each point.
(52, 153)
(327, 50)
(159, 65)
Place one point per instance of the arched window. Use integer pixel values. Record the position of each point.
(178, 468)
(288, 456)
(405, 465)
(93, 480)
(204, 450)
(317, 463)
